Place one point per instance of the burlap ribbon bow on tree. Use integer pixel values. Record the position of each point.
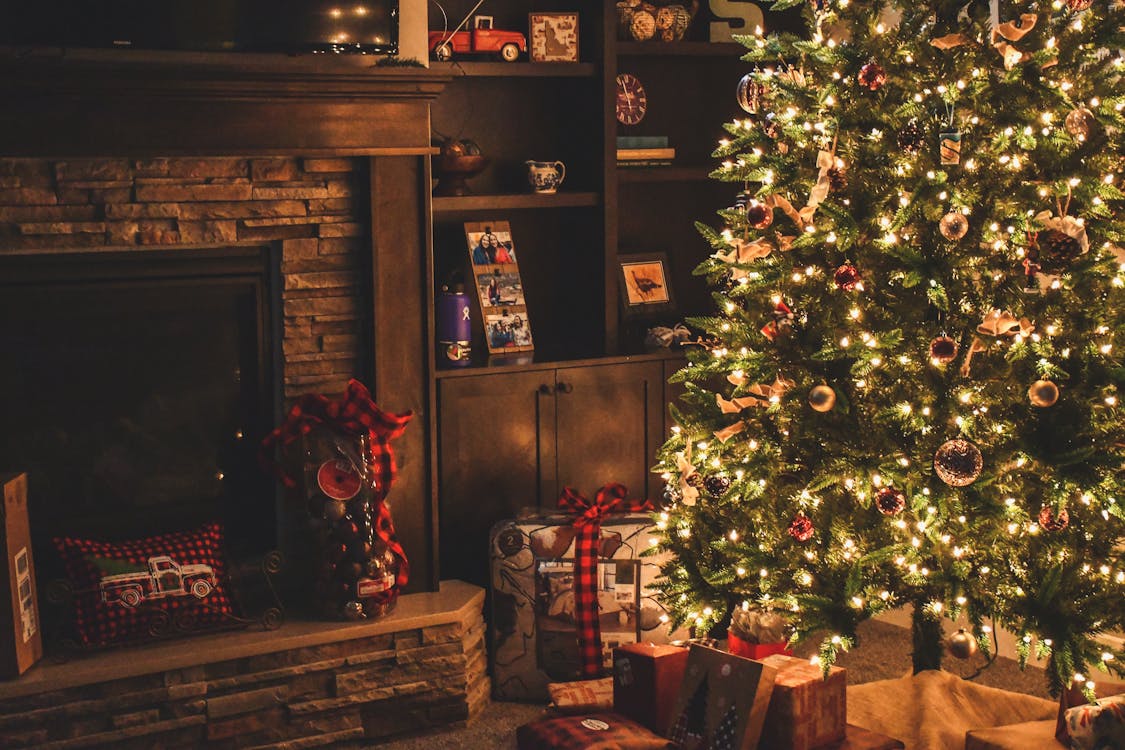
(353, 414)
(588, 522)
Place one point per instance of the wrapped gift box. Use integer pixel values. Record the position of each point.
(806, 710)
(750, 650)
(604, 731)
(581, 697)
(21, 643)
(532, 629)
(646, 682)
(722, 702)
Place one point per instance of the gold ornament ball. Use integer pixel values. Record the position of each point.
(953, 226)
(958, 462)
(822, 398)
(962, 644)
(1043, 393)
(1080, 122)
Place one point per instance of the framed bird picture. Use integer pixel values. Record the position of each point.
(646, 285)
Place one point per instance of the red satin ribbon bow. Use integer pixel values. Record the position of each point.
(588, 522)
(356, 414)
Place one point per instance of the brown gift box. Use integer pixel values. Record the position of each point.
(722, 702)
(806, 711)
(21, 643)
(646, 682)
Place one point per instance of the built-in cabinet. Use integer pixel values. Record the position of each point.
(590, 406)
(513, 440)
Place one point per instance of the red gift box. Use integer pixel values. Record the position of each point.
(646, 682)
(750, 650)
(806, 711)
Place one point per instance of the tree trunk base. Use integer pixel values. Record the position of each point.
(928, 637)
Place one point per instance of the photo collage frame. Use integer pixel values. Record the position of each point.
(496, 276)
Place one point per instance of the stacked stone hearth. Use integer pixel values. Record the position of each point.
(299, 687)
(315, 207)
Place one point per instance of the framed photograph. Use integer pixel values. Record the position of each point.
(552, 37)
(646, 287)
(496, 276)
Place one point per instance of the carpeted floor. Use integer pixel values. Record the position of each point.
(883, 653)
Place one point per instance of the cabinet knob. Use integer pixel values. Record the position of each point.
(565, 387)
(546, 390)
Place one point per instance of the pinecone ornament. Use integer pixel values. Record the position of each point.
(1056, 249)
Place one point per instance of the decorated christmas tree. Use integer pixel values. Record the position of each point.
(908, 393)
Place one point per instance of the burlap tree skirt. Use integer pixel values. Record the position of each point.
(933, 710)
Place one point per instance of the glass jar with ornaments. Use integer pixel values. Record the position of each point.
(339, 465)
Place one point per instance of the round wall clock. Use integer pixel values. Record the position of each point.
(632, 101)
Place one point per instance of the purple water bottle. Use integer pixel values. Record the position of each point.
(454, 327)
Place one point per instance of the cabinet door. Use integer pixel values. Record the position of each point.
(610, 423)
(496, 438)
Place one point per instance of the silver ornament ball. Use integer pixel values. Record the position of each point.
(962, 644)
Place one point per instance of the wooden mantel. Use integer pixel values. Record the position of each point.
(144, 104)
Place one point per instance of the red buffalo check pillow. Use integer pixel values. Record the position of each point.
(126, 592)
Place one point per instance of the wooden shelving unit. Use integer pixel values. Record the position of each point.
(462, 203)
(510, 431)
(473, 69)
(679, 49)
(675, 173)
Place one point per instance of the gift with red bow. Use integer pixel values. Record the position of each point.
(569, 585)
(337, 453)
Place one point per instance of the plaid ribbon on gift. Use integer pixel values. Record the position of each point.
(588, 523)
(356, 414)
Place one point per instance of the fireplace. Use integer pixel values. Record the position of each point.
(307, 180)
(141, 386)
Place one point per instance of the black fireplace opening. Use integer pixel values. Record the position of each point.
(136, 388)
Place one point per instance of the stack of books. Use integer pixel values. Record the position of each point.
(644, 151)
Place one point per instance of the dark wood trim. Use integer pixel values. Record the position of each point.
(557, 364)
(678, 173)
(517, 70)
(681, 49)
(432, 476)
(454, 203)
(609, 175)
(58, 108)
(400, 339)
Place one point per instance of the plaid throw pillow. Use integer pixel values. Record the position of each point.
(128, 592)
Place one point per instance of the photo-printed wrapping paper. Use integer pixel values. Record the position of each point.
(533, 629)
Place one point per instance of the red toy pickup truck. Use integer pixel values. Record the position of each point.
(483, 39)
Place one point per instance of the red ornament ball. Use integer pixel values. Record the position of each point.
(1077, 6)
(872, 76)
(847, 277)
(1052, 521)
(890, 501)
(801, 528)
(759, 215)
(943, 350)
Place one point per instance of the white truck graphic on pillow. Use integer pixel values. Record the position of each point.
(164, 577)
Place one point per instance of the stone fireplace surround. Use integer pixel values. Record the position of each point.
(327, 158)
